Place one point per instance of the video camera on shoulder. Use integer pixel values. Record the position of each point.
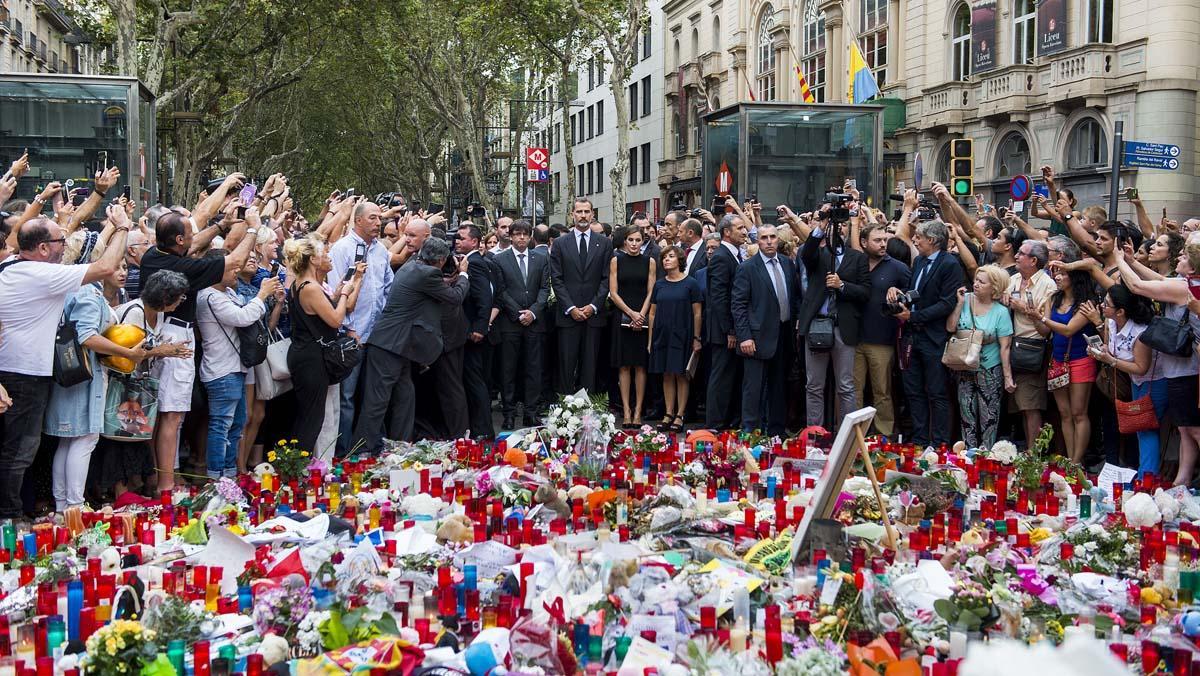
(476, 210)
(928, 208)
(838, 210)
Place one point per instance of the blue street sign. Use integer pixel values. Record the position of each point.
(1151, 149)
(543, 175)
(1150, 162)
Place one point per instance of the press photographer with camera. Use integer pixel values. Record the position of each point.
(923, 308)
(831, 313)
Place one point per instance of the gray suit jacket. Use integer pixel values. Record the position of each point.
(411, 322)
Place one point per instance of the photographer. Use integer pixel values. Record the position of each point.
(923, 308)
(839, 286)
(408, 333)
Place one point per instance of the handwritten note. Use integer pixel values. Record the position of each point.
(489, 558)
(1112, 474)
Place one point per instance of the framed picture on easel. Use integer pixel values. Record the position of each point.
(850, 442)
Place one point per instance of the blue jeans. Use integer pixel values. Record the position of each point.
(226, 420)
(346, 421)
(1148, 442)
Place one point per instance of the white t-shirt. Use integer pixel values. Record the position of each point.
(32, 297)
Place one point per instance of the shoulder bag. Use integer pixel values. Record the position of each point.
(268, 381)
(341, 353)
(1169, 336)
(820, 329)
(1027, 355)
(1137, 415)
(1058, 375)
(72, 362)
(964, 348)
(252, 339)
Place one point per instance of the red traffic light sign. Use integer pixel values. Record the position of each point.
(1020, 187)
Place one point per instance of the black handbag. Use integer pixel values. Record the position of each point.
(72, 363)
(341, 355)
(820, 329)
(252, 340)
(1028, 355)
(1169, 336)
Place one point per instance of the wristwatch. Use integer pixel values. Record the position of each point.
(251, 231)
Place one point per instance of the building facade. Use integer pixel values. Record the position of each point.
(39, 36)
(1032, 83)
(590, 126)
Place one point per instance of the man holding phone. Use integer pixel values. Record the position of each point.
(360, 245)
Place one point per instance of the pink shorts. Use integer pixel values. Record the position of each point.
(1083, 370)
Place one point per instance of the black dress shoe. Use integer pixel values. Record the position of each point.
(508, 423)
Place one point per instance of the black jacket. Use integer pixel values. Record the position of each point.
(575, 286)
(410, 324)
(718, 318)
(478, 304)
(855, 273)
(938, 289)
(756, 308)
(523, 294)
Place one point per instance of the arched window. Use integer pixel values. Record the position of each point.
(766, 55)
(813, 63)
(1087, 146)
(695, 44)
(678, 60)
(941, 167)
(716, 33)
(960, 43)
(873, 37)
(1012, 155)
(696, 128)
(1024, 31)
(1100, 20)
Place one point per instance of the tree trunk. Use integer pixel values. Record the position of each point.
(124, 14)
(568, 131)
(616, 175)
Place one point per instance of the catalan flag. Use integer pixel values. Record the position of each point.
(862, 81)
(805, 93)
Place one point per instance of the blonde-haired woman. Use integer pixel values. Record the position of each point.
(315, 317)
(979, 390)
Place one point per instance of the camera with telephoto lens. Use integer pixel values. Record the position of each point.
(476, 210)
(904, 301)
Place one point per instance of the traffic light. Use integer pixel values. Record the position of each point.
(962, 167)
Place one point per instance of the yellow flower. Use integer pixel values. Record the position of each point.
(1151, 596)
(280, 443)
(1038, 534)
(303, 454)
(294, 441)
(271, 456)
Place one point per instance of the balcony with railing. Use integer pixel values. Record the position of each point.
(1008, 90)
(947, 104)
(5, 20)
(18, 32)
(56, 14)
(1091, 69)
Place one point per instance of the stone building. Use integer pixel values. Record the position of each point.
(40, 36)
(1032, 83)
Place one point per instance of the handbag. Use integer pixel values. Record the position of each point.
(268, 381)
(964, 348)
(820, 329)
(1169, 336)
(1058, 375)
(72, 363)
(1028, 355)
(341, 355)
(1113, 384)
(130, 407)
(252, 340)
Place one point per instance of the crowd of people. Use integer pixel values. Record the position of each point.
(378, 320)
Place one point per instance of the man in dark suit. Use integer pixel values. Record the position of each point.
(408, 332)
(447, 412)
(650, 247)
(691, 240)
(721, 338)
(541, 244)
(936, 278)
(522, 322)
(478, 308)
(765, 304)
(579, 275)
(839, 285)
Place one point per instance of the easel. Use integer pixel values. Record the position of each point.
(860, 440)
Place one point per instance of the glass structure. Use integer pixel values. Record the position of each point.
(788, 153)
(73, 126)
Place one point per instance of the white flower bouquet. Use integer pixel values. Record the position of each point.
(566, 418)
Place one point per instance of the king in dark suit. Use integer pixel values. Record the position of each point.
(579, 275)
(522, 322)
(765, 304)
(408, 332)
(839, 285)
(936, 278)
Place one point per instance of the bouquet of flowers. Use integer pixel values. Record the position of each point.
(279, 610)
(565, 419)
(645, 440)
(811, 657)
(121, 647)
(288, 460)
(1109, 550)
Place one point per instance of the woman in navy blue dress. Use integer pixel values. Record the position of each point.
(675, 308)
